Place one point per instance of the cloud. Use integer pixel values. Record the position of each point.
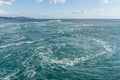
(6, 2)
(48, 15)
(84, 11)
(100, 10)
(105, 1)
(76, 12)
(79, 12)
(5, 13)
(2, 12)
(62, 12)
(57, 1)
(10, 2)
(39, 0)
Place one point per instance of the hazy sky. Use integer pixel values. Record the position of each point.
(61, 8)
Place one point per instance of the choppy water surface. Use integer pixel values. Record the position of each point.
(60, 50)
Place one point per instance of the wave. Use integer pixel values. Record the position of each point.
(30, 73)
(17, 44)
(105, 45)
(9, 76)
(7, 56)
(2, 25)
(70, 62)
(48, 59)
(54, 21)
(83, 24)
(58, 20)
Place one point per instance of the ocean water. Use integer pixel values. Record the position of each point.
(60, 50)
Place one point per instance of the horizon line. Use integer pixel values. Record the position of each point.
(50, 18)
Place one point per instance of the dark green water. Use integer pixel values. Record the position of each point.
(60, 50)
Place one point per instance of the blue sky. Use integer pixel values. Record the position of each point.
(61, 8)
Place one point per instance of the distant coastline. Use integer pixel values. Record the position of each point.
(16, 18)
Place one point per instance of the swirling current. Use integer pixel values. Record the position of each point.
(60, 50)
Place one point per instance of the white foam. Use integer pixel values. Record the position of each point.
(87, 25)
(58, 20)
(20, 38)
(2, 26)
(105, 45)
(24, 63)
(46, 57)
(17, 44)
(10, 75)
(7, 56)
(30, 73)
(69, 62)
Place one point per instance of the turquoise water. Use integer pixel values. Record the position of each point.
(60, 50)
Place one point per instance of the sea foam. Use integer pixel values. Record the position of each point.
(71, 62)
(17, 44)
